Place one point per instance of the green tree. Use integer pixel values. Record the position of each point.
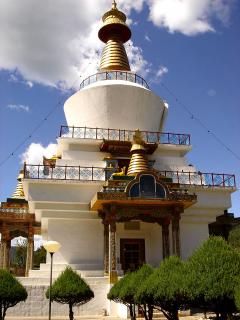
(166, 288)
(11, 292)
(123, 292)
(39, 256)
(234, 238)
(20, 254)
(141, 276)
(212, 273)
(69, 288)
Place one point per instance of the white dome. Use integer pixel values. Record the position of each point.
(116, 104)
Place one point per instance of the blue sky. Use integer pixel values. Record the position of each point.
(190, 46)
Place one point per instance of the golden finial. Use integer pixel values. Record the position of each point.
(138, 162)
(114, 33)
(114, 5)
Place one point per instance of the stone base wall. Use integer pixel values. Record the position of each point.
(37, 304)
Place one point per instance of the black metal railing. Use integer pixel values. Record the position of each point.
(124, 135)
(114, 75)
(100, 174)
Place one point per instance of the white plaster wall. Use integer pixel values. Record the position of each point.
(151, 232)
(81, 241)
(115, 104)
(82, 158)
(219, 198)
(63, 191)
(192, 235)
(172, 163)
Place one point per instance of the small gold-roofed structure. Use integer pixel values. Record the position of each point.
(19, 193)
(138, 162)
(15, 221)
(114, 33)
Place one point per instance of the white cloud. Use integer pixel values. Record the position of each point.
(136, 59)
(58, 44)
(147, 38)
(189, 17)
(18, 107)
(161, 71)
(157, 75)
(211, 92)
(35, 152)
(12, 78)
(29, 84)
(16, 78)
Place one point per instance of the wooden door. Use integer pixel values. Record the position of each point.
(132, 254)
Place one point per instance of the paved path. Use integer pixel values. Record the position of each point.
(63, 318)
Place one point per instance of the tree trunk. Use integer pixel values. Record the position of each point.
(174, 315)
(223, 315)
(131, 312)
(2, 312)
(150, 312)
(70, 311)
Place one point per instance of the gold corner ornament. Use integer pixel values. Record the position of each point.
(138, 162)
(114, 33)
(19, 193)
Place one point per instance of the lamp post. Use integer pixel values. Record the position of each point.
(51, 247)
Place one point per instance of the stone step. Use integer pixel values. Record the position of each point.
(78, 266)
(38, 281)
(56, 273)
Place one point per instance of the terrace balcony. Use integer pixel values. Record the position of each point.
(80, 173)
(124, 135)
(114, 75)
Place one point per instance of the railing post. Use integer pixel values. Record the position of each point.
(234, 179)
(189, 176)
(38, 170)
(168, 138)
(96, 133)
(212, 180)
(60, 131)
(24, 169)
(92, 173)
(223, 180)
(177, 177)
(65, 171)
(79, 174)
(51, 172)
(201, 179)
(73, 132)
(85, 129)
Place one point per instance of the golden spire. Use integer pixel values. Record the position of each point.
(19, 193)
(138, 162)
(114, 33)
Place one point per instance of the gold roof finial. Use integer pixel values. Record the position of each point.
(114, 5)
(138, 162)
(114, 33)
(19, 193)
